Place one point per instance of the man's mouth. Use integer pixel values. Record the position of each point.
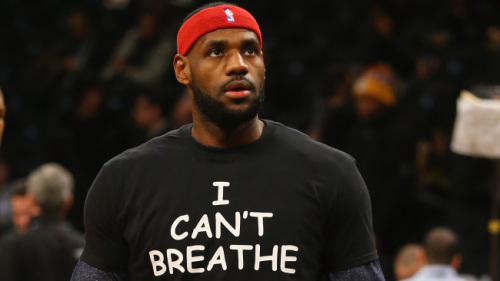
(238, 89)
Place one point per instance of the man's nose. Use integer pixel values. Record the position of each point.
(236, 64)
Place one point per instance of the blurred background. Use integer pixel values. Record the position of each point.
(84, 80)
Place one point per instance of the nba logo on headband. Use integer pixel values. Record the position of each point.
(229, 15)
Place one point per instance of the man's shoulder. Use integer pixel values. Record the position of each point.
(168, 143)
(51, 227)
(302, 143)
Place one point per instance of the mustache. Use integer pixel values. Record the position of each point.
(237, 78)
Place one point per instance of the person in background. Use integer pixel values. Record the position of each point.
(409, 259)
(141, 57)
(182, 111)
(84, 138)
(5, 185)
(21, 206)
(150, 116)
(20, 210)
(49, 250)
(442, 251)
(384, 153)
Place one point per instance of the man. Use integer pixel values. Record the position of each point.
(150, 116)
(21, 207)
(441, 247)
(409, 259)
(384, 153)
(50, 249)
(229, 197)
(20, 211)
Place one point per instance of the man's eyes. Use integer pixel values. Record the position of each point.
(250, 51)
(215, 53)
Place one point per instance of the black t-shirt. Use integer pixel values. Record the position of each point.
(283, 207)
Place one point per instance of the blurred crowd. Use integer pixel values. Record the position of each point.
(84, 80)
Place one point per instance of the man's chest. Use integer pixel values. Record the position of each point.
(211, 220)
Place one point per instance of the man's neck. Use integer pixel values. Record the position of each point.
(210, 134)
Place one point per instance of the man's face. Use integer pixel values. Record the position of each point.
(144, 113)
(2, 114)
(367, 108)
(21, 213)
(227, 76)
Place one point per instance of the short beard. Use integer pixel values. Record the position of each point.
(223, 117)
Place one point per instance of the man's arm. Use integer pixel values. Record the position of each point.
(85, 272)
(370, 271)
(350, 241)
(105, 247)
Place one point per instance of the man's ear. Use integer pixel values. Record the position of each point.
(456, 261)
(68, 203)
(35, 208)
(181, 68)
(264, 60)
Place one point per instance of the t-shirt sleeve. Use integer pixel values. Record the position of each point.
(105, 247)
(85, 272)
(370, 271)
(350, 238)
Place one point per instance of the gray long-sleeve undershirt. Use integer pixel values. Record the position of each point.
(370, 271)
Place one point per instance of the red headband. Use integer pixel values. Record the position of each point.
(210, 19)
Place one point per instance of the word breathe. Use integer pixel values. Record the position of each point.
(175, 258)
(191, 258)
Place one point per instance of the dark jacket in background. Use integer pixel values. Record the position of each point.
(48, 252)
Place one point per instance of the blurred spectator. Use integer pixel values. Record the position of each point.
(142, 56)
(50, 249)
(428, 100)
(442, 251)
(150, 115)
(427, 109)
(75, 51)
(485, 63)
(22, 208)
(383, 151)
(83, 139)
(469, 209)
(5, 212)
(338, 114)
(435, 167)
(375, 92)
(181, 113)
(408, 260)
(433, 179)
(73, 54)
(381, 40)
